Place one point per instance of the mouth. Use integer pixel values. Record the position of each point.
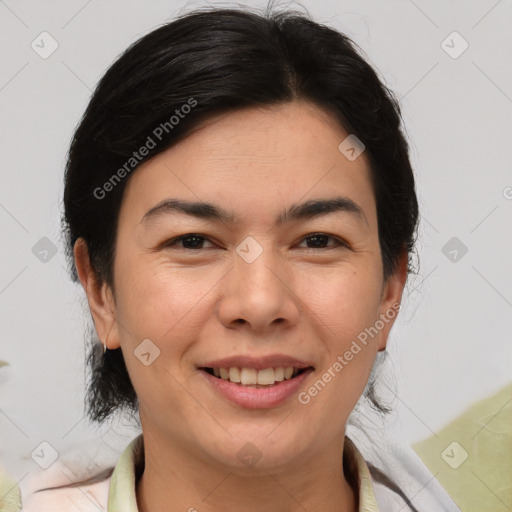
(254, 378)
(256, 381)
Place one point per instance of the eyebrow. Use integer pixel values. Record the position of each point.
(301, 211)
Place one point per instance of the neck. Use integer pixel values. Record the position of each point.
(173, 476)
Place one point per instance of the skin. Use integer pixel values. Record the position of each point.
(197, 305)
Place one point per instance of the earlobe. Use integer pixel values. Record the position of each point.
(392, 298)
(99, 296)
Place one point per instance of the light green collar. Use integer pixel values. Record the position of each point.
(122, 491)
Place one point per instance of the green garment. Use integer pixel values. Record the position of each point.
(472, 456)
(10, 500)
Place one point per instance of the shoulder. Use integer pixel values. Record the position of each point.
(398, 478)
(86, 479)
(85, 496)
(78, 479)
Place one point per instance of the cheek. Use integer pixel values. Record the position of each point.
(343, 307)
(344, 302)
(156, 298)
(165, 305)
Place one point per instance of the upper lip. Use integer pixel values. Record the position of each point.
(258, 363)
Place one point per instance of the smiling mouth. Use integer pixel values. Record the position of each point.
(252, 378)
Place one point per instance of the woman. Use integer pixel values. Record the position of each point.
(240, 210)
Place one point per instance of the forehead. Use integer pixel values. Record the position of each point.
(255, 161)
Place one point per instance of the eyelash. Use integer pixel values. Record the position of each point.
(338, 242)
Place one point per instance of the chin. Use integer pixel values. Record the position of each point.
(253, 453)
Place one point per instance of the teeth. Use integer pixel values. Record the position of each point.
(248, 376)
(253, 377)
(279, 374)
(234, 374)
(266, 376)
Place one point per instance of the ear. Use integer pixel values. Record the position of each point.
(392, 298)
(99, 296)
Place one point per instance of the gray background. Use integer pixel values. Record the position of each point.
(451, 344)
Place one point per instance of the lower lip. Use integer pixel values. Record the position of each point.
(257, 398)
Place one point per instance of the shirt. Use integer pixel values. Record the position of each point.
(122, 495)
(390, 488)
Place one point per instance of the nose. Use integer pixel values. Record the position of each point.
(259, 295)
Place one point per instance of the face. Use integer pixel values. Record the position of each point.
(265, 279)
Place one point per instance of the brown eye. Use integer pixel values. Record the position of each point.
(320, 241)
(188, 241)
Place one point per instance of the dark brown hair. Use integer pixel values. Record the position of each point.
(222, 59)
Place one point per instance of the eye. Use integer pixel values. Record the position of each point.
(188, 241)
(319, 241)
(195, 241)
